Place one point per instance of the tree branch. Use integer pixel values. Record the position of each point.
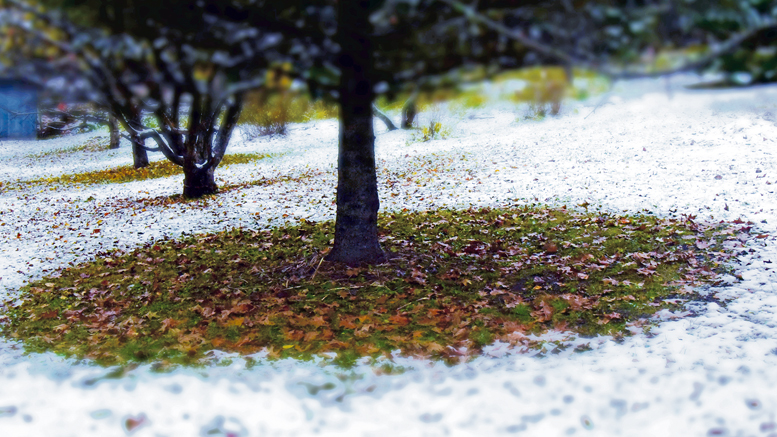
(725, 47)
(383, 117)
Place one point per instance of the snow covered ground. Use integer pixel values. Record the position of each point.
(646, 146)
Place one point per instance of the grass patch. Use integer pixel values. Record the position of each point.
(432, 126)
(95, 144)
(546, 87)
(205, 201)
(544, 91)
(458, 280)
(271, 113)
(127, 173)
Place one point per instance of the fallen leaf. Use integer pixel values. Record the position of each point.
(399, 320)
(345, 323)
(237, 321)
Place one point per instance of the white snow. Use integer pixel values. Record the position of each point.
(710, 370)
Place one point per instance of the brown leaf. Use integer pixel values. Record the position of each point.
(294, 335)
(327, 334)
(607, 317)
(345, 323)
(610, 281)
(452, 274)
(318, 321)
(644, 272)
(434, 347)
(399, 320)
(168, 323)
(417, 277)
(337, 344)
(576, 302)
(544, 313)
(364, 331)
(242, 307)
(49, 315)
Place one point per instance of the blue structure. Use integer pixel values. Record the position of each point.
(18, 109)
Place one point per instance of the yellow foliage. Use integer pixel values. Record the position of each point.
(126, 173)
(435, 130)
(270, 110)
(543, 97)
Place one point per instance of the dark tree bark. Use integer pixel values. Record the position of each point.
(198, 182)
(356, 226)
(139, 154)
(113, 127)
(206, 151)
(409, 110)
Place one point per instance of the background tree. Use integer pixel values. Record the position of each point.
(58, 76)
(189, 70)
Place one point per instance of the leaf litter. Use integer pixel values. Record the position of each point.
(456, 281)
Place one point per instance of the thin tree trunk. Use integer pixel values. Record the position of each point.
(409, 110)
(139, 154)
(356, 226)
(569, 74)
(113, 127)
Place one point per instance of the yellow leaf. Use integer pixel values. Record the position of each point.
(237, 321)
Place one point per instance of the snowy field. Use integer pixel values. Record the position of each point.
(711, 370)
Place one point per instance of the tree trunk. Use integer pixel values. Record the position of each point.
(139, 154)
(356, 226)
(113, 127)
(569, 74)
(199, 182)
(409, 110)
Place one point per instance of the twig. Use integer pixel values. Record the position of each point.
(601, 102)
(316, 271)
(409, 303)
